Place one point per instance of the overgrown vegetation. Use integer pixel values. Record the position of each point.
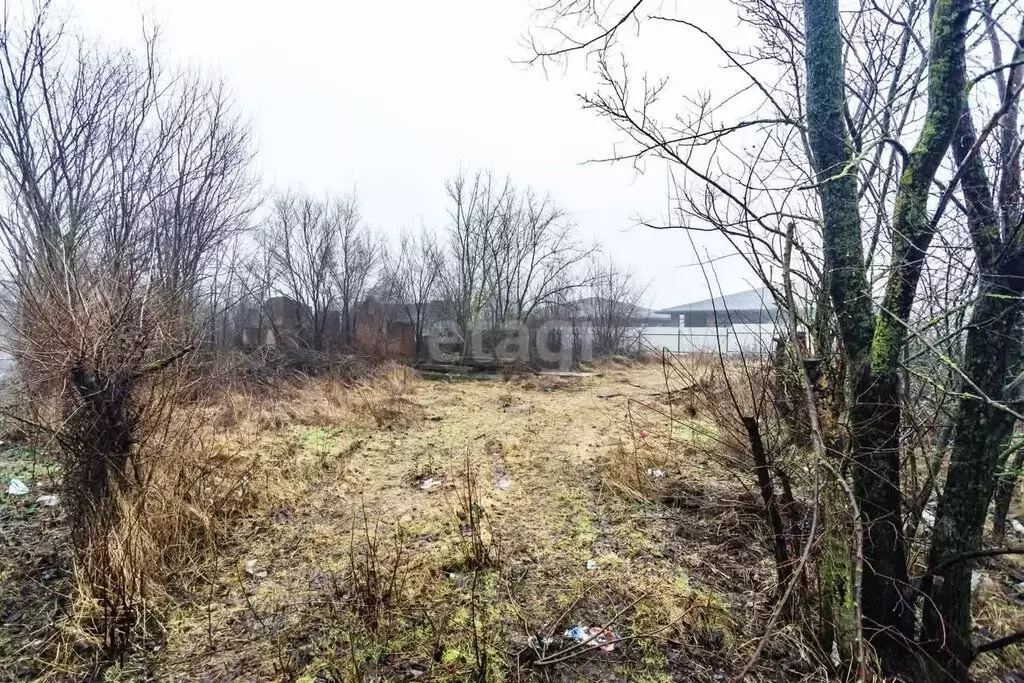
(215, 473)
(873, 187)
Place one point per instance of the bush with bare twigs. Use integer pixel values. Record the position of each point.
(105, 263)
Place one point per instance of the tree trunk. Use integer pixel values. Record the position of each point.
(875, 423)
(1006, 485)
(874, 405)
(783, 568)
(873, 346)
(982, 428)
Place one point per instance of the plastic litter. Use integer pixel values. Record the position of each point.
(17, 488)
(591, 564)
(655, 473)
(429, 483)
(594, 635)
(48, 501)
(250, 570)
(540, 642)
(505, 483)
(981, 581)
(644, 434)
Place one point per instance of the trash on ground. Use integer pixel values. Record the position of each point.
(549, 389)
(644, 433)
(429, 483)
(594, 635)
(655, 473)
(48, 501)
(981, 580)
(17, 488)
(835, 658)
(250, 570)
(540, 642)
(505, 483)
(591, 564)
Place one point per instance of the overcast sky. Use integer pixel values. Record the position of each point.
(390, 98)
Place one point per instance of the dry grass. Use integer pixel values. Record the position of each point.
(336, 563)
(484, 566)
(460, 536)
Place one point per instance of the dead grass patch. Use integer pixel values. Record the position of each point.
(361, 574)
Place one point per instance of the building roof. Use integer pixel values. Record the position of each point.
(750, 300)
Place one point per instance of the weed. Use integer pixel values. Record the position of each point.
(377, 571)
(477, 543)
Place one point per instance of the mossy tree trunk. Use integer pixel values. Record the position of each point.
(873, 342)
(982, 427)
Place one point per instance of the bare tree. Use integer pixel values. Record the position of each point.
(358, 255)
(417, 275)
(534, 257)
(474, 219)
(210, 191)
(510, 252)
(617, 319)
(120, 183)
(301, 240)
(834, 150)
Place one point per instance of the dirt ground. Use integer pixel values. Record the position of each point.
(460, 530)
(557, 465)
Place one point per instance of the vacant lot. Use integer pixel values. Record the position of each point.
(404, 529)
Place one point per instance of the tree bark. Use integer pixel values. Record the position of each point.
(873, 346)
(1006, 485)
(981, 431)
(783, 568)
(982, 428)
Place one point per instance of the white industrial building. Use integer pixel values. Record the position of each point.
(745, 322)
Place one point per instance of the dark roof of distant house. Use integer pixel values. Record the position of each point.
(750, 300)
(432, 311)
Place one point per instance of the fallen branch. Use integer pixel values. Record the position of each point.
(975, 554)
(999, 643)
